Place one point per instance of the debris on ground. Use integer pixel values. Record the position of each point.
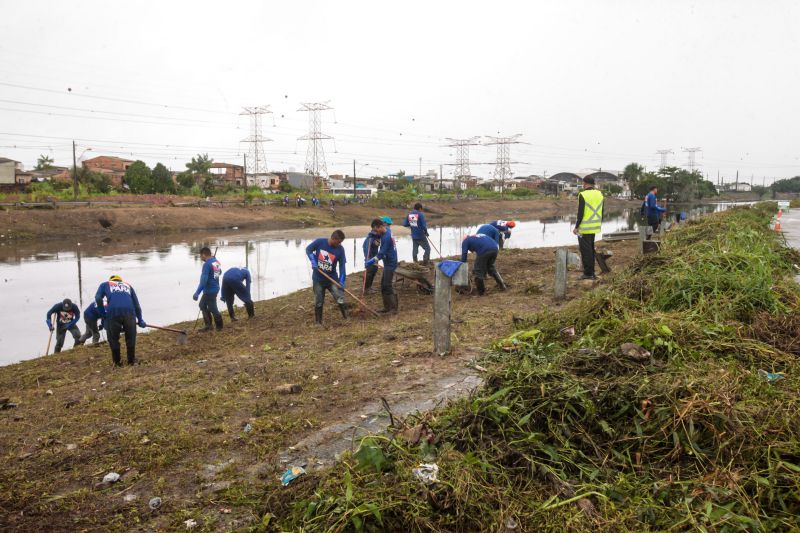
(190, 523)
(292, 473)
(111, 477)
(6, 403)
(634, 351)
(289, 388)
(248, 428)
(428, 473)
(154, 503)
(770, 377)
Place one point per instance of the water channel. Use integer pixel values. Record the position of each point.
(34, 276)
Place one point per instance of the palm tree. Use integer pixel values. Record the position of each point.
(44, 162)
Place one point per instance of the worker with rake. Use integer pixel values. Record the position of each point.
(419, 233)
(121, 313)
(209, 286)
(67, 315)
(371, 245)
(388, 254)
(327, 258)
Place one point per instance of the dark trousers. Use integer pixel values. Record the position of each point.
(61, 333)
(501, 241)
(484, 264)
(319, 293)
(654, 222)
(371, 271)
(208, 304)
(387, 287)
(426, 248)
(115, 326)
(91, 331)
(586, 247)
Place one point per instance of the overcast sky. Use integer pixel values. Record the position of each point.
(593, 84)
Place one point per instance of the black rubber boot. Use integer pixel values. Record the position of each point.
(206, 321)
(231, 312)
(318, 315)
(251, 309)
(343, 309)
(131, 355)
(500, 283)
(218, 322)
(481, 286)
(395, 303)
(116, 357)
(387, 303)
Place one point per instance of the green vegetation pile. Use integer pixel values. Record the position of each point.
(690, 426)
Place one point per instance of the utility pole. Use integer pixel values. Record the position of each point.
(258, 161)
(462, 156)
(74, 173)
(691, 163)
(245, 179)
(441, 176)
(315, 154)
(664, 154)
(503, 165)
(354, 179)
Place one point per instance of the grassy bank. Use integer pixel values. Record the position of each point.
(572, 432)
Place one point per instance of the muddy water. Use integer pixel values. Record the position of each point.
(165, 274)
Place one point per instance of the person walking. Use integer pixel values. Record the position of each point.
(67, 315)
(371, 245)
(388, 254)
(485, 249)
(236, 281)
(590, 219)
(90, 317)
(653, 209)
(328, 256)
(209, 287)
(504, 227)
(419, 233)
(121, 312)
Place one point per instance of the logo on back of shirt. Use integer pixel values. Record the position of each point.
(216, 269)
(326, 260)
(503, 223)
(119, 286)
(413, 220)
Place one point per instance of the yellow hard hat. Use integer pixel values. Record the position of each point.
(115, 277)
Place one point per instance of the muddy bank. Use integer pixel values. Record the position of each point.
(174, 426)
(104, 222)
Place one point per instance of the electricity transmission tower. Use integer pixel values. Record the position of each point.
(502, 169)
(315, 155)
(664, 155)
(255, 154)
(462, 155)
(690, 152)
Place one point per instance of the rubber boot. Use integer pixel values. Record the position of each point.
(343, 309)
(116, 357)
(387, 303)
(318, 315)
(206, 321)
(131, 355)
(218, 322)
(251, 309)
(395, 303)
(500, 283)
(231, 312)
(481, 286)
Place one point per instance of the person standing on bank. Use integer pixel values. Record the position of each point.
(209, 286)
(90, 317)
(590, 218)
(236, 281)
(419, 234)
(121, 313)
(388, 254)
(653, 209)
(67, 315)
(371, 245)
(327, 255)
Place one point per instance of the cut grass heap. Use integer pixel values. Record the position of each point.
(573, 432)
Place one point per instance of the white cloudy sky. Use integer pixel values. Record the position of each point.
(589, 84)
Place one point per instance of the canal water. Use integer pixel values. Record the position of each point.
(35, 276)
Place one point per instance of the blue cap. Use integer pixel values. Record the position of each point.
(387, 220)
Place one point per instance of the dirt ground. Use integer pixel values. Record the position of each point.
(103, 222)
(202, 426)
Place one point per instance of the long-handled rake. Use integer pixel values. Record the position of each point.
(181, 338)
(353, 296)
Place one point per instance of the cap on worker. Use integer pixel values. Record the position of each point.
(115, 277)
(588, 180)
(66, 304)
(387, 220)
(511, 224)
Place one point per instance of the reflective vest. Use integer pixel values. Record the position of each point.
(592, 211)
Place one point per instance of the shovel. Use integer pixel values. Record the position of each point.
(181, 338)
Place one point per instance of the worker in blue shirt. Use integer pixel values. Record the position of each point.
(419, 233)
(388, 254)
(485, 248)
(653, 209)
(90, 317)
(491, 232)
(371, 245)
(504, 227)
(236, 281)
(121, 313)
(327, 258)
(67, 315)
(209, 286)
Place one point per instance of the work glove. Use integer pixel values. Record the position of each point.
(49, 324)
(371, 261)
(314, 262)
(70, 324)
(101, 326)
(142, 323)
(342, 281)
(195, 296)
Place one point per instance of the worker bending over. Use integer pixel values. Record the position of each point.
(236, 281)
(491, 232)
(90, 317)
(327, 257)
(67, 315)
(485, 249)
(504, 227)
(120, 314)
(209, 287)
(419, 233)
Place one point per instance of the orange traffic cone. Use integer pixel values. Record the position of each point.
(777, 225)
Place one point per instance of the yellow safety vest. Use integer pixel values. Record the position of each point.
(592, 211)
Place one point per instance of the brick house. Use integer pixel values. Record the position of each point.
(113, 167)
(227, 173)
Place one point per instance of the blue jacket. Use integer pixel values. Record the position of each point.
(330, 259)
(490, 231)
(120, 298)
(416, 221)
(238, 275)
(388, 251)
(209, 277)
(653, 209)
(480, 244)
(64, 319)
(91, 314)
(371, 245)
(502, 227)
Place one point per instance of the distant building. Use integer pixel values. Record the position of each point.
(299, 180)
(22, 177)
(8, 171)
(265, 182)
(113, 167)
(227, 173)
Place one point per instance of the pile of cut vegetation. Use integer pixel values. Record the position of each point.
(656, 402)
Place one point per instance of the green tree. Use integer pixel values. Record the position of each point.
(186, 181)
(139, 178)
(44, 162)
(787, 185)
(95, 182)
(162, 180)
(199, 165)
(199, 169)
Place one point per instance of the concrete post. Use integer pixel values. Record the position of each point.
(642, 238)
(443, 306)
(561, 274)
